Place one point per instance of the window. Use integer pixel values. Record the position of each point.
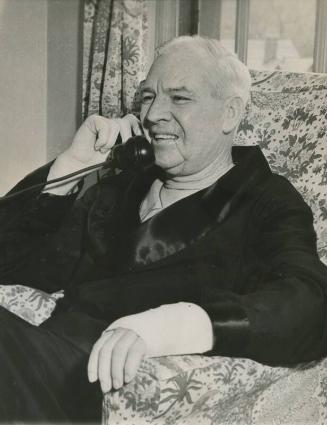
(266, 34)
(281, 34)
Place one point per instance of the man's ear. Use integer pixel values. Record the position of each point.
(234, 108)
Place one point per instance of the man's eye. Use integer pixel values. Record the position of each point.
(181, 99)
(147, 99)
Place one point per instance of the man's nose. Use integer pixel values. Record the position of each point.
(158, 110)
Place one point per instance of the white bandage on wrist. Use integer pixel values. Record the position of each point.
(181, 328)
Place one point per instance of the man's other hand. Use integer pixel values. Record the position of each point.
(97, 135)
(91, 146)
(115, 358)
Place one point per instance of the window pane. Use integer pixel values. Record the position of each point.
(188, 17)
(216, 19)
(209, 19)
(281, 34)
(227, 24)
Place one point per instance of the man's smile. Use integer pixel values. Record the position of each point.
(159, 137)
(162, 136)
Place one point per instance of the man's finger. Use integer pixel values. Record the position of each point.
(135, 124)
(118, 357)
(125, 129)
(92, 366)
(108, 131)
(104, 360)
(134, 357)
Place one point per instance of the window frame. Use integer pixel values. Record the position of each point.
(320, 43)
(242, 29)
(167, 17)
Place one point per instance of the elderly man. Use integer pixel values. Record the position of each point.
(206, 251)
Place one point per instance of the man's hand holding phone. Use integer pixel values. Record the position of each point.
(91, 145)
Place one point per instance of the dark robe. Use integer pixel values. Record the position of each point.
(243, 249)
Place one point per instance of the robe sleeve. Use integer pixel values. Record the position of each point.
(26, 221)
(280, 316)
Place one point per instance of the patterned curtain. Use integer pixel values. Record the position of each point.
(115, 55)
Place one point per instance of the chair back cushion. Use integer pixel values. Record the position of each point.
(287, 118)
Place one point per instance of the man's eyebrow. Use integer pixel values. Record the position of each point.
(180, 89)
(146, 89)
(170, 90)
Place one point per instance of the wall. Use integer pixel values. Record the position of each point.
(65, 58)
(40, 82)
(23, 45)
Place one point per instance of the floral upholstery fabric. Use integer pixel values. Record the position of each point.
(199, 390)
(288, 119)
(30, 304)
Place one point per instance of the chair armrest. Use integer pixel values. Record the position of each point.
(205, 390)
(196, 389)
(32, 305)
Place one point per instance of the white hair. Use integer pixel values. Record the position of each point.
(227, 73)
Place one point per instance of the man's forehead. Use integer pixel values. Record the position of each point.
(146, 86)
(181, 76)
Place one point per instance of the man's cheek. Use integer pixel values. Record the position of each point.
(169, 159)
(182, 148)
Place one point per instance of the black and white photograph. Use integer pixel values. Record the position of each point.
(163, 212)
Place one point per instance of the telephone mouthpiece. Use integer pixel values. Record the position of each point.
(135, 153)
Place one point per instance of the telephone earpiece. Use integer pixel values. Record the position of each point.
(135, 153)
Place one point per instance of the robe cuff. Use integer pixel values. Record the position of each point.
(231, 328)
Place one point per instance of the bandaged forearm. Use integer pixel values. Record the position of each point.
(181, 328)
(61, 167)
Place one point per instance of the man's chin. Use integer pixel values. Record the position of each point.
(170, 169)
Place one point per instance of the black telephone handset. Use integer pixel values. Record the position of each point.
(135, 153)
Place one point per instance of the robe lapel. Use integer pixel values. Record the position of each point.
(185, 222)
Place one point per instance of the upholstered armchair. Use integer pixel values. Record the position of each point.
(287, 117)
